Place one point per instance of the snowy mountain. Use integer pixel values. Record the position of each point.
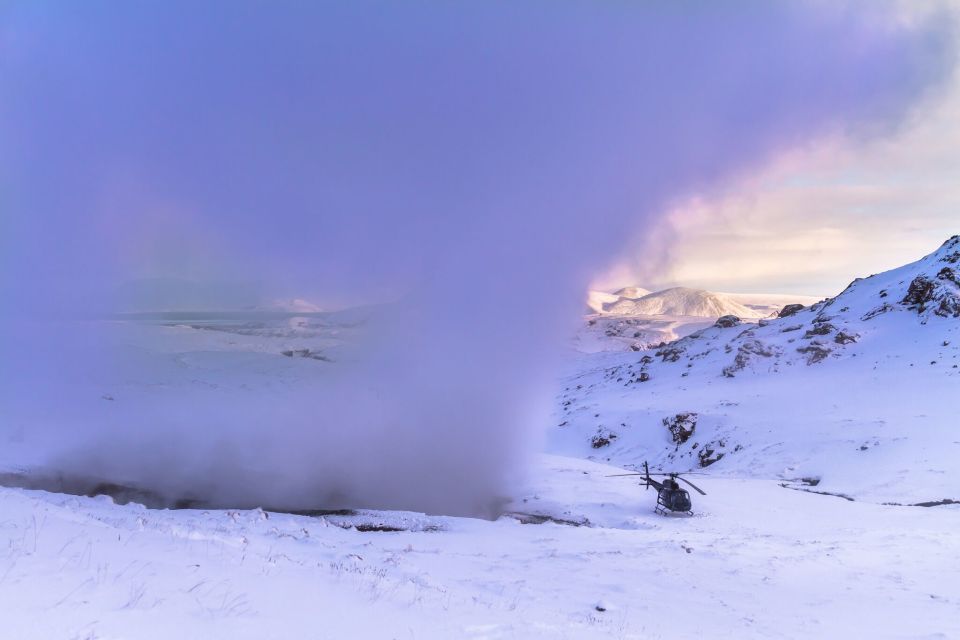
(857, 393)
(631, 292)
(633, 318)
(596, 300)
(681, 301)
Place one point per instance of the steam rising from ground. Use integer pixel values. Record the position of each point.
(479, 162)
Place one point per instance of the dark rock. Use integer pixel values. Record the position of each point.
(948, 274)
(845, 338)
(954, 257)
(924, 293)
(602, 439)
(884, 308)
(815, 352)
(711, 453)
(681, 426)
(670, 354)
(725, 322)
(745, 353)
(305, 353)
(949, 306)
(920, 293)
(820, 329)
(790, 310)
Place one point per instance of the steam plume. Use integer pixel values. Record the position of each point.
(480, 161)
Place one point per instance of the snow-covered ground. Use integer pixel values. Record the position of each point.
(856, 396)
(756, 561)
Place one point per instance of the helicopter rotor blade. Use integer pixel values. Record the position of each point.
(620, 475)
(680, 473)
(702, 492)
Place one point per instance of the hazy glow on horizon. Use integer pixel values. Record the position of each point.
(818, 217)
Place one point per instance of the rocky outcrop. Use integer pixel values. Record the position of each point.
(814, 351)
(820, 329)
(939, 295)
(681, 426)
(726, 322)
(603, 438)
(845, 338)
(789, 310)
(920, 293)
(745, 353)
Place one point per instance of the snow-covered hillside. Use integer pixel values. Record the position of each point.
(858, 393)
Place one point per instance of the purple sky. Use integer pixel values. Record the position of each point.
(321, 148)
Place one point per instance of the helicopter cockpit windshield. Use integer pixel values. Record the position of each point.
(678, 500)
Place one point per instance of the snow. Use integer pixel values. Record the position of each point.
(616, 333)
(805, 531)
(682, 301)
(756, 561)
(597, 299)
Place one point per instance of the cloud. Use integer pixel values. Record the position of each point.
(822, 214)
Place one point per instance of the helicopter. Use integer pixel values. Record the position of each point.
(670, 495)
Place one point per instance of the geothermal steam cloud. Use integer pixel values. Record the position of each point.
(484, 158)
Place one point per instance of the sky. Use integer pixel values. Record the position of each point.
(156, 133)
(817, 216)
